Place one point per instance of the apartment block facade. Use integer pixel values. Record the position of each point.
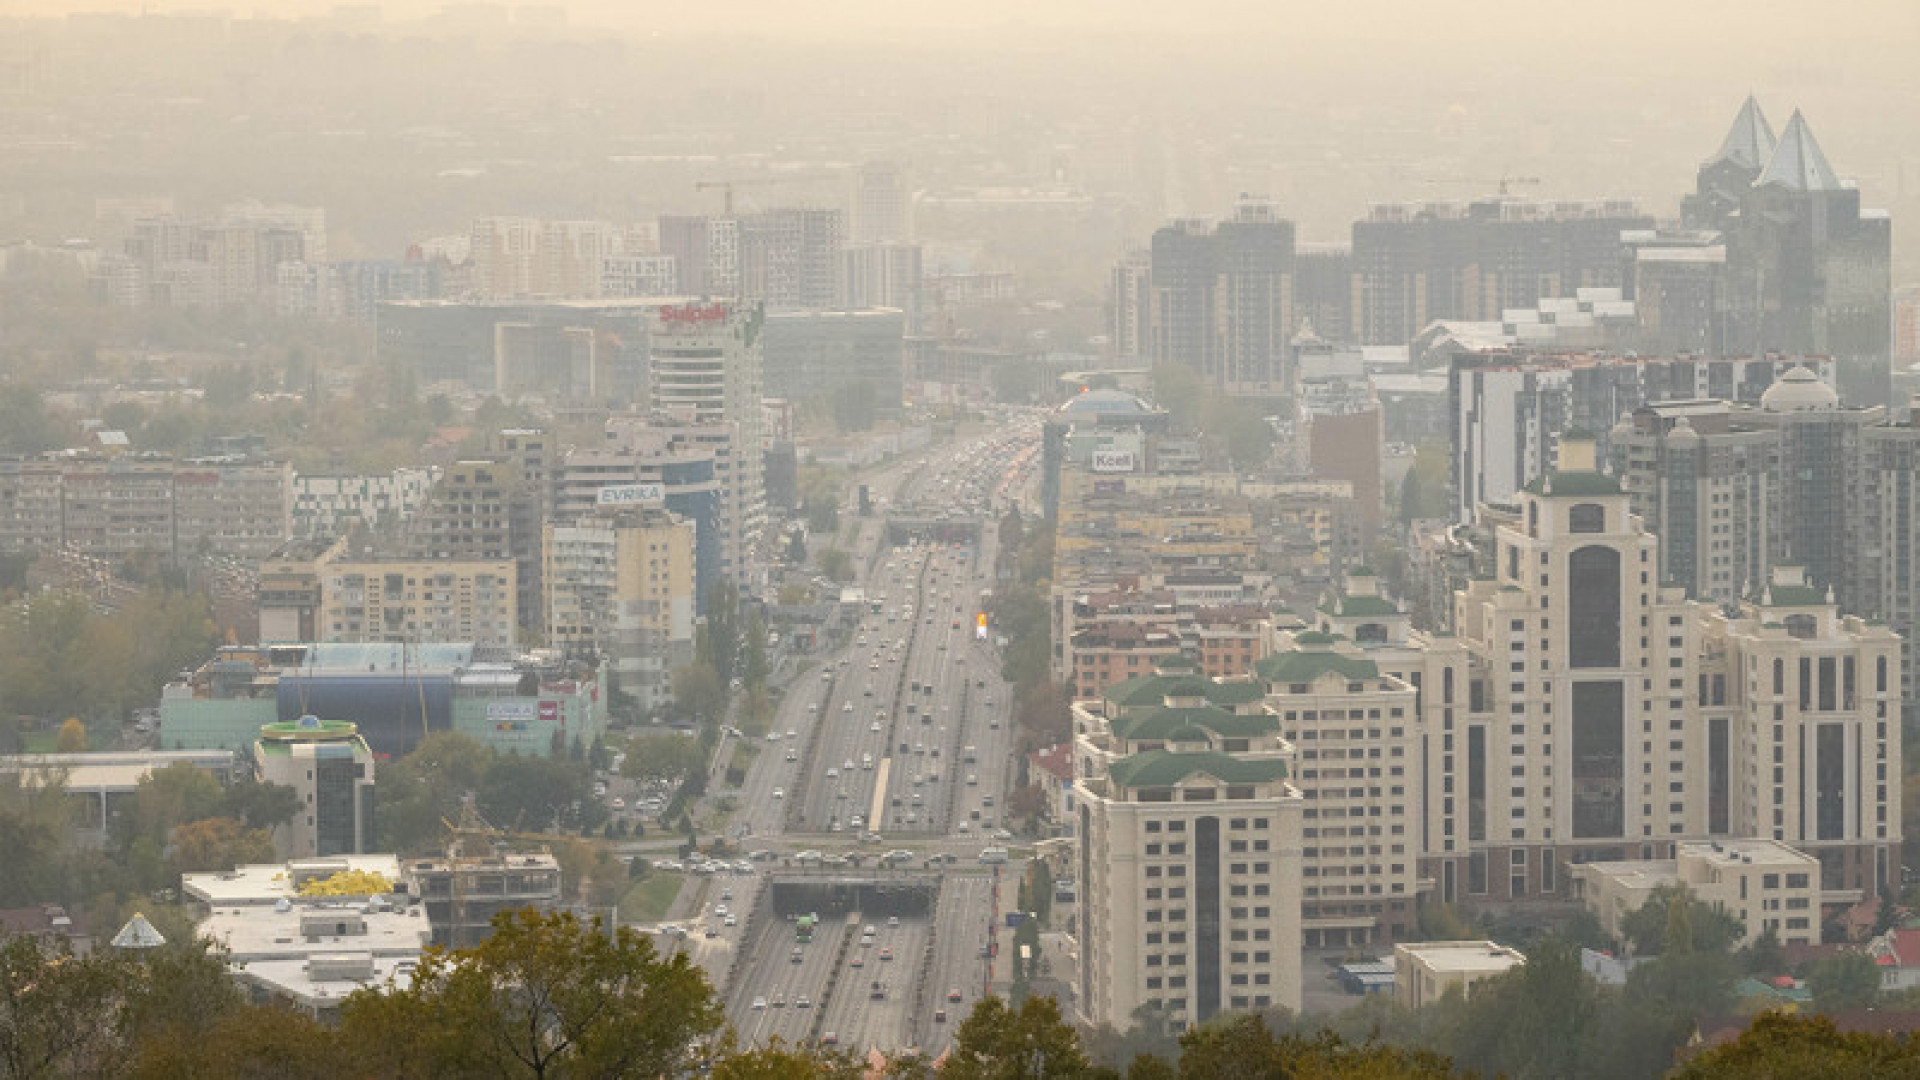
(1189, 853)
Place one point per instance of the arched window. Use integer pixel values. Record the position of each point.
(1593, 607)
(1587, 518)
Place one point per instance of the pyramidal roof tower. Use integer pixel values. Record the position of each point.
(1750, 142)
(1797, 163)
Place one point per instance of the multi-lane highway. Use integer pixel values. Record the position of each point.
(900, 743)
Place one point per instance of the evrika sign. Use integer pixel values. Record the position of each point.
(1112, 461)
(631, 495)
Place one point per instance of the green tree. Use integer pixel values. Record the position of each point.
(662, 759)
(424, 789)
(1787, 1046)
(259, 1042)
(57, 1015)
(1001, 1043)
(1649, 926)
(753, 667)
(535, 793)
(1843, 981)
(168, 798)
(219, 843)
(1539, 1019)
(699, 693)
(836, 564)
(1764, 956)
(545, 995)
(718, 641)
(261, 805)
(36, 837)
(1243, 1046)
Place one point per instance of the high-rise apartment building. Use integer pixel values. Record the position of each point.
(1610, 714)
(793, 258)
(145, 504)
(682, 461)
(705, 253)
(401, 601)
(1418, 263)
(884, 276)
(639, 274)
(1509, 407)
(1892, 529)
(882, 204)
(1189, 852)
(1223, 297)
(706, 368)
(1130, 307)
(1705, 481)
(620, 585)
(518, 258)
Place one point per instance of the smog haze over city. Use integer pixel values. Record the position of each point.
(1072, 539)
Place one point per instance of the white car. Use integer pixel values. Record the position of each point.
(779, 793)
(874, 727)
(759, 1003)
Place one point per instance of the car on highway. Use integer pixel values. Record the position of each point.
(759, 1003)
(939, 1016)
(795, 956)
(779, 793)
(953, 993)
(874, 728)
(857, 960)
(833, 774)
(619, 803)
(779, 1000)
(803, 1002)
(829, 1039)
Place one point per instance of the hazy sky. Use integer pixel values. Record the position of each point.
(1771, 28)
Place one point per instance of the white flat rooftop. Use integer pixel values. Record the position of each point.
(265, 883)
(290, 977)
(1465, 957)
(254, 933)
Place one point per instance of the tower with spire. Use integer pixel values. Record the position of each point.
(1809, 271)
(1806, 269)
(1724, 178)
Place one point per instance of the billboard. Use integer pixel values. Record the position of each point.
(632, 495)
(1112, 461)
(694, 314)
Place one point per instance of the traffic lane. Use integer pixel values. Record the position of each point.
(963, 912)
(774, 976)
(854, 1015)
